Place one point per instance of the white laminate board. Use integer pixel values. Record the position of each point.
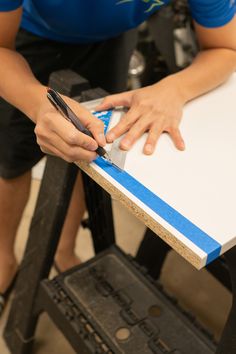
(197, 186)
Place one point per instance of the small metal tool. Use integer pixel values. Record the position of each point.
(117, 156)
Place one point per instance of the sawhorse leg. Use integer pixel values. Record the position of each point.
(45, 230)
(99, 207)
(152, 253)
(227, 343)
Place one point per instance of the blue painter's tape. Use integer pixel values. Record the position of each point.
(174, 218)
(205, 242)
(105, 116)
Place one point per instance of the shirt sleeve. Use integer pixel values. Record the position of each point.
(212, 13)
(9, 5)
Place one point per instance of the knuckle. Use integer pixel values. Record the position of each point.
(124, 124)
(100, 124)
(157, 111)
(42, 149)
(141, 124)
(129, 135)
(85, 143)
(38, 141)
(150, 141)
(96, 124)
(152, 137)
(71, 155)
(137, 97)
(72, 138)
(37, 130)
(145, 105)
(132, 136)
(142, 105)
(45, 119)
(105, 100)
(173, 130)
(121, 127)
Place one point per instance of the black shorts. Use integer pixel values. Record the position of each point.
(104, 64)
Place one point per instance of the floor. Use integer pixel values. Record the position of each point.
(203, 295)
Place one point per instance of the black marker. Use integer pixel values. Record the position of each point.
(61, 106)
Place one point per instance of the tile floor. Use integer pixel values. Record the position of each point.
(204, 295)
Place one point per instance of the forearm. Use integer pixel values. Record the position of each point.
(209, 69)
(18, 85)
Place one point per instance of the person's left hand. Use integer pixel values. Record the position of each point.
(155, 109)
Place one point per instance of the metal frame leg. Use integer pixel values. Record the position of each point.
(100, 214)
(152, 253)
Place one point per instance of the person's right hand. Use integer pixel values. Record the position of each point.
(57, 136)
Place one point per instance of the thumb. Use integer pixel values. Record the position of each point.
(120, 99)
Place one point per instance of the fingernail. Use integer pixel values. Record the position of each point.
(110, 137)
(101, 138)
(148, 149)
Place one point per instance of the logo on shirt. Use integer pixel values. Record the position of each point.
(151, 4)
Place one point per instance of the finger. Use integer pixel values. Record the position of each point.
(58, 125)
(96, 127)
(49, 150)
(137, 130)
(120, 99)
(58, 147)
(56, 152)
(152, 139)
(124, 125)
(177, 139)
(92, 123)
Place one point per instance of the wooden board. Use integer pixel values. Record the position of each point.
(187, 198)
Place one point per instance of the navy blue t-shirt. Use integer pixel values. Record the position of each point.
(80, 21)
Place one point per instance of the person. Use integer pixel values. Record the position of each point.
(96, 39)
(32, 57)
